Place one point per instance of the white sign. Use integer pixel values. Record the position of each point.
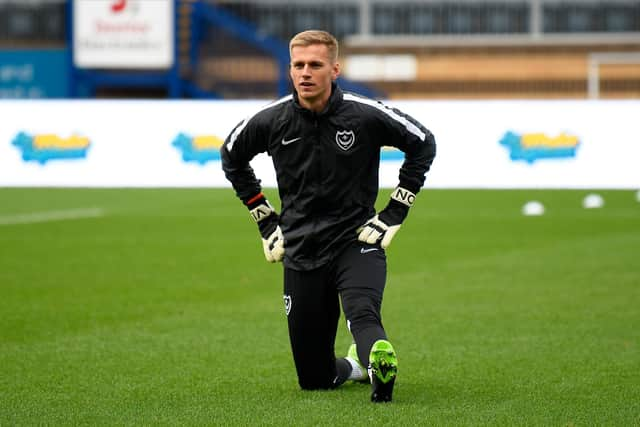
(123, 34)
(394, 67)
(480, 144)
(532, 144)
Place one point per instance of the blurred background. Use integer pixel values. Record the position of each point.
(133, 293)
(410, 49)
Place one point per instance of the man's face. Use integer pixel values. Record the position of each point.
(312, 72)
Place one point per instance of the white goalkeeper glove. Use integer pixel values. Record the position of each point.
(384, 226)
(374, 229)
(267, 219)
(274, 246)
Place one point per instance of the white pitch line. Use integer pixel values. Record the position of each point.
(48, 216)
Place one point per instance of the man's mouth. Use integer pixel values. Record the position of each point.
(306, 84)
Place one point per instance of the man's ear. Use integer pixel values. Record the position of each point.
(336, 71)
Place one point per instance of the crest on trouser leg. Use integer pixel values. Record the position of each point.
(287, 304)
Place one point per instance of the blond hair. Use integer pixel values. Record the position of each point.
(309, 37)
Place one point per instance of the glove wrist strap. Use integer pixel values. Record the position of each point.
(261, 212)
(403, 196)
(260, 208)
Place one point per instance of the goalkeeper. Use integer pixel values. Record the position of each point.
(325, 146)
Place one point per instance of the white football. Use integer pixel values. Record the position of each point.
(592, 201)
(533, 208)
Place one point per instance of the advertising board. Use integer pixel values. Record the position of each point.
(480, 144)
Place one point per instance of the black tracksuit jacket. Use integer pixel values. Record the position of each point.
(326, 166)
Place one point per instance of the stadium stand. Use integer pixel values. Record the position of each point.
(432, 48)
(35, 23)
(557, 71)
(473, 49)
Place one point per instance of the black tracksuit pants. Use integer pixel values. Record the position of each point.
(357, 276)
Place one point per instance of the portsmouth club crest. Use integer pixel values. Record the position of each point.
(287, 304)
(345, 139)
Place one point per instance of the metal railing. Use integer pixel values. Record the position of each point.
(44, 20)
(596, 60)
(367, 18)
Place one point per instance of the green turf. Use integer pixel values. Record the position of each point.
(164, 312)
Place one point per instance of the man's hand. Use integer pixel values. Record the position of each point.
(274, 246)
(374, 229)
(267, 219)
(384, 226)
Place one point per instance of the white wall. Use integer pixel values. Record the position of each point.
(130, 143)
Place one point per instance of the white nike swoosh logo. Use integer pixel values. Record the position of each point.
(364, 251)
(285, 142)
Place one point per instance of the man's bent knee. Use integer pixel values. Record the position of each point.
(315, 384)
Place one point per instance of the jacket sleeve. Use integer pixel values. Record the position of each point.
(243, 143)
(417, 142)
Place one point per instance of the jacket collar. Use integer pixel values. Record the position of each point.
(334, 100)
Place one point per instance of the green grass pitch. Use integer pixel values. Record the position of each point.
(162, 311)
